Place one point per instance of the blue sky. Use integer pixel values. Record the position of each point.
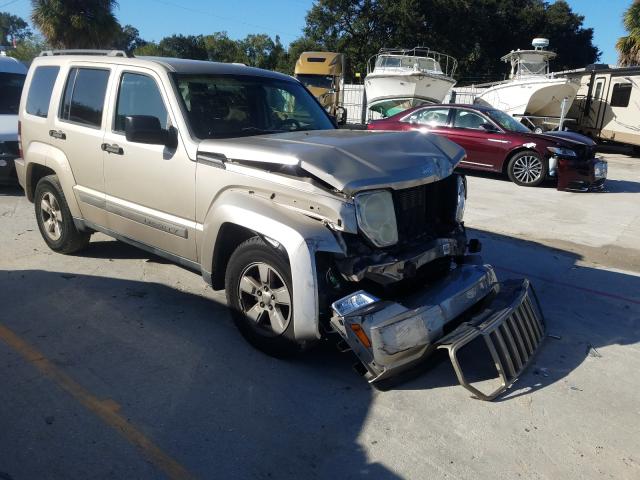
(158, 18)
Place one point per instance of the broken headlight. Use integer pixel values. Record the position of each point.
(462, 198)
(562, 152)
(377, 217)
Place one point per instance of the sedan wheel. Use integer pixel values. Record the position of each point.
(527, 169)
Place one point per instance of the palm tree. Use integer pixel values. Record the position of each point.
(629, 46)
(76, 23)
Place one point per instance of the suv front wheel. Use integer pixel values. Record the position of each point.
(54, 218)
(259, 294)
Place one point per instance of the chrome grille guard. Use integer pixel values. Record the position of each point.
(512, 333)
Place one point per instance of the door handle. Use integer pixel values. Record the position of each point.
(59, 134)
(112, 148)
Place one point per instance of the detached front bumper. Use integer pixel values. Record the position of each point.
(390, 337)
(581, 175)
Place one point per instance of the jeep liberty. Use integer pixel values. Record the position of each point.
(240, 174)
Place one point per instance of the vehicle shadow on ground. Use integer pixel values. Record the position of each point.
(621, 186)
(178, 368)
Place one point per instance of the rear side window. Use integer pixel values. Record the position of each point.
(83, 100)
(40, 90)
(432, 117)
(139, 95)
(621, 95)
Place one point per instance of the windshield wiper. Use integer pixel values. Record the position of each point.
(258, 131)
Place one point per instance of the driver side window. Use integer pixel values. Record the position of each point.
(139, 95)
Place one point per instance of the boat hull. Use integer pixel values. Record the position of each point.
(535, 97)
(385, 89)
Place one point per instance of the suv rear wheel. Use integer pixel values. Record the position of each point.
(527, 169)
(54, 218)
(259, 294)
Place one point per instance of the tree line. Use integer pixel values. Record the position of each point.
(476, 32)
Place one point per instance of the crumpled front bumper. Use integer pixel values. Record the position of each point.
(390, 337)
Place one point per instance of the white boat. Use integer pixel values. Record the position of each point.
(531, 90)
(398, 79)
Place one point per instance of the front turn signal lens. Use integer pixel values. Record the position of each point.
(364, 340)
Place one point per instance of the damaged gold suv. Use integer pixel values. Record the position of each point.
(240, 174)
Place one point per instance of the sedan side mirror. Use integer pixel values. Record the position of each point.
(146, 129)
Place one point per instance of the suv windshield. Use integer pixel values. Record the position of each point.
(223, 106)
(507, 122)
(11, 88)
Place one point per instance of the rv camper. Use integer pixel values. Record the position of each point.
(323, 74)
(608, 103)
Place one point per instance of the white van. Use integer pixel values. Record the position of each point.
(12, 75)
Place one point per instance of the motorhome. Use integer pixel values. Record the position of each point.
(323, 74)
(608, 103)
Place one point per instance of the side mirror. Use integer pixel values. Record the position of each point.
(147, 129)
(489, 127)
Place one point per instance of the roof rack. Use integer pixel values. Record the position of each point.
(106, 53)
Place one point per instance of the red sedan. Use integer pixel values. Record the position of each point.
(495, 141)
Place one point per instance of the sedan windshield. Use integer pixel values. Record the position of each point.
(11, 88)
(507, 122)
(224, 106)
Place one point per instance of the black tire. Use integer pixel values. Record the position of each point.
(527, 169)
(245, 263)
(64, 237)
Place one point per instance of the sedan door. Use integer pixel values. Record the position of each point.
(486, 149)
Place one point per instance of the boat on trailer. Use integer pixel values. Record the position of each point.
(531, 92)
(398, 79)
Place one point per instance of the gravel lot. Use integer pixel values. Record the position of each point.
(117, 364)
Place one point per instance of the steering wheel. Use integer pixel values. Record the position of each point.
(291, 123)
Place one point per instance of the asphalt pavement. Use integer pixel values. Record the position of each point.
(117, 364)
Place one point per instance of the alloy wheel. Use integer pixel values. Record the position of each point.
(265, 298)
(527, 169)
(51, 216)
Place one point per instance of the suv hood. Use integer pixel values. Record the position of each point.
(348, 160)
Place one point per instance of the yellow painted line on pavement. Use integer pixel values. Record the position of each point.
(106, 410)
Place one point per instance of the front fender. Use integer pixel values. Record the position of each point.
(300, 236)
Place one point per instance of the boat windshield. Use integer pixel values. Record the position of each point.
(532, 68)
(11, 88)
(530, 63)
(227, 106)
(506, 121)
(425, 64)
